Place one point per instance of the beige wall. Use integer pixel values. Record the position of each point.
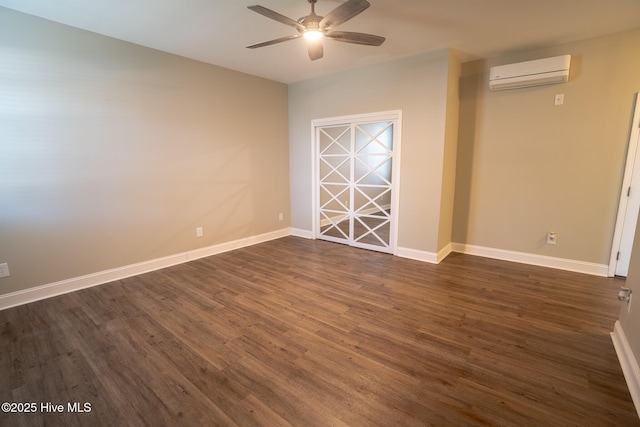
(450, 152)
(526, 167)
(112, 154)
(419, 87)
(109, 148)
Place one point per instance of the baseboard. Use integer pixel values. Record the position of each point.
(444, 252)
(628, 363)
(76, 283)
(306, 234)
(533, 259)
(430, 257)
(236, 244)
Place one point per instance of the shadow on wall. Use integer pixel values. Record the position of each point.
(471, 91)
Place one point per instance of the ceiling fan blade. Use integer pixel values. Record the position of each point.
(270, 42)
(357, 38)
(343, 13)
(315, 49)
(276, 16)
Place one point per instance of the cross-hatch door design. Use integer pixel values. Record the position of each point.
(355, 184)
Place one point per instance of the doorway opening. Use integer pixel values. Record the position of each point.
(629, 205)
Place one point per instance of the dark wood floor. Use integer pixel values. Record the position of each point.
(310, 333)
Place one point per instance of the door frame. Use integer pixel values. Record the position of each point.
(628, 181)
(392, 115)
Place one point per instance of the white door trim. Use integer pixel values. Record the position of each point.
(393, 116)
(628, 179)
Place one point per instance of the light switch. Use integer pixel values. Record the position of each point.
(559, 99)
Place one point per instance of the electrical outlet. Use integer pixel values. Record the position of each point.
(199, 232)
(552, 238)
(4, 270)
(280, 216)
(559, 99)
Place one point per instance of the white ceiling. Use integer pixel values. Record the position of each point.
(217, 31)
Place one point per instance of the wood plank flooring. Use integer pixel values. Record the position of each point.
(296, 332)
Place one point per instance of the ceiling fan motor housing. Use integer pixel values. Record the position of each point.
(310, 23)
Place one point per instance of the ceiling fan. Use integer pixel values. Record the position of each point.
(314, 27)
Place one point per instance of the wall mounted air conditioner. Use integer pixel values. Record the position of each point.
(530, 73)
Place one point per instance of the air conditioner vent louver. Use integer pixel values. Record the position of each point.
(530, 73)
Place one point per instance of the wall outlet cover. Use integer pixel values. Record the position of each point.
(4, 270)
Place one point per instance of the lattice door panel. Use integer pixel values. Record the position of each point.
(372, 163)
(355, 184)
(335, 182)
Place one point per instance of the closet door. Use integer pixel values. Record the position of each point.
(356, 183)
(334, 143)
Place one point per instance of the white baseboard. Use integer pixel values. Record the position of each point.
(628, 363)
(444, 252)
(236, 244)
(76, 283)
(533, 259)
(430, 257)
(298, 232)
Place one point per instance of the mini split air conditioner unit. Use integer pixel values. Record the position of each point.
(530, 73)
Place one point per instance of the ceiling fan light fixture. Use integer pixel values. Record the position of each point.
(315, 27)
(313, 35)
